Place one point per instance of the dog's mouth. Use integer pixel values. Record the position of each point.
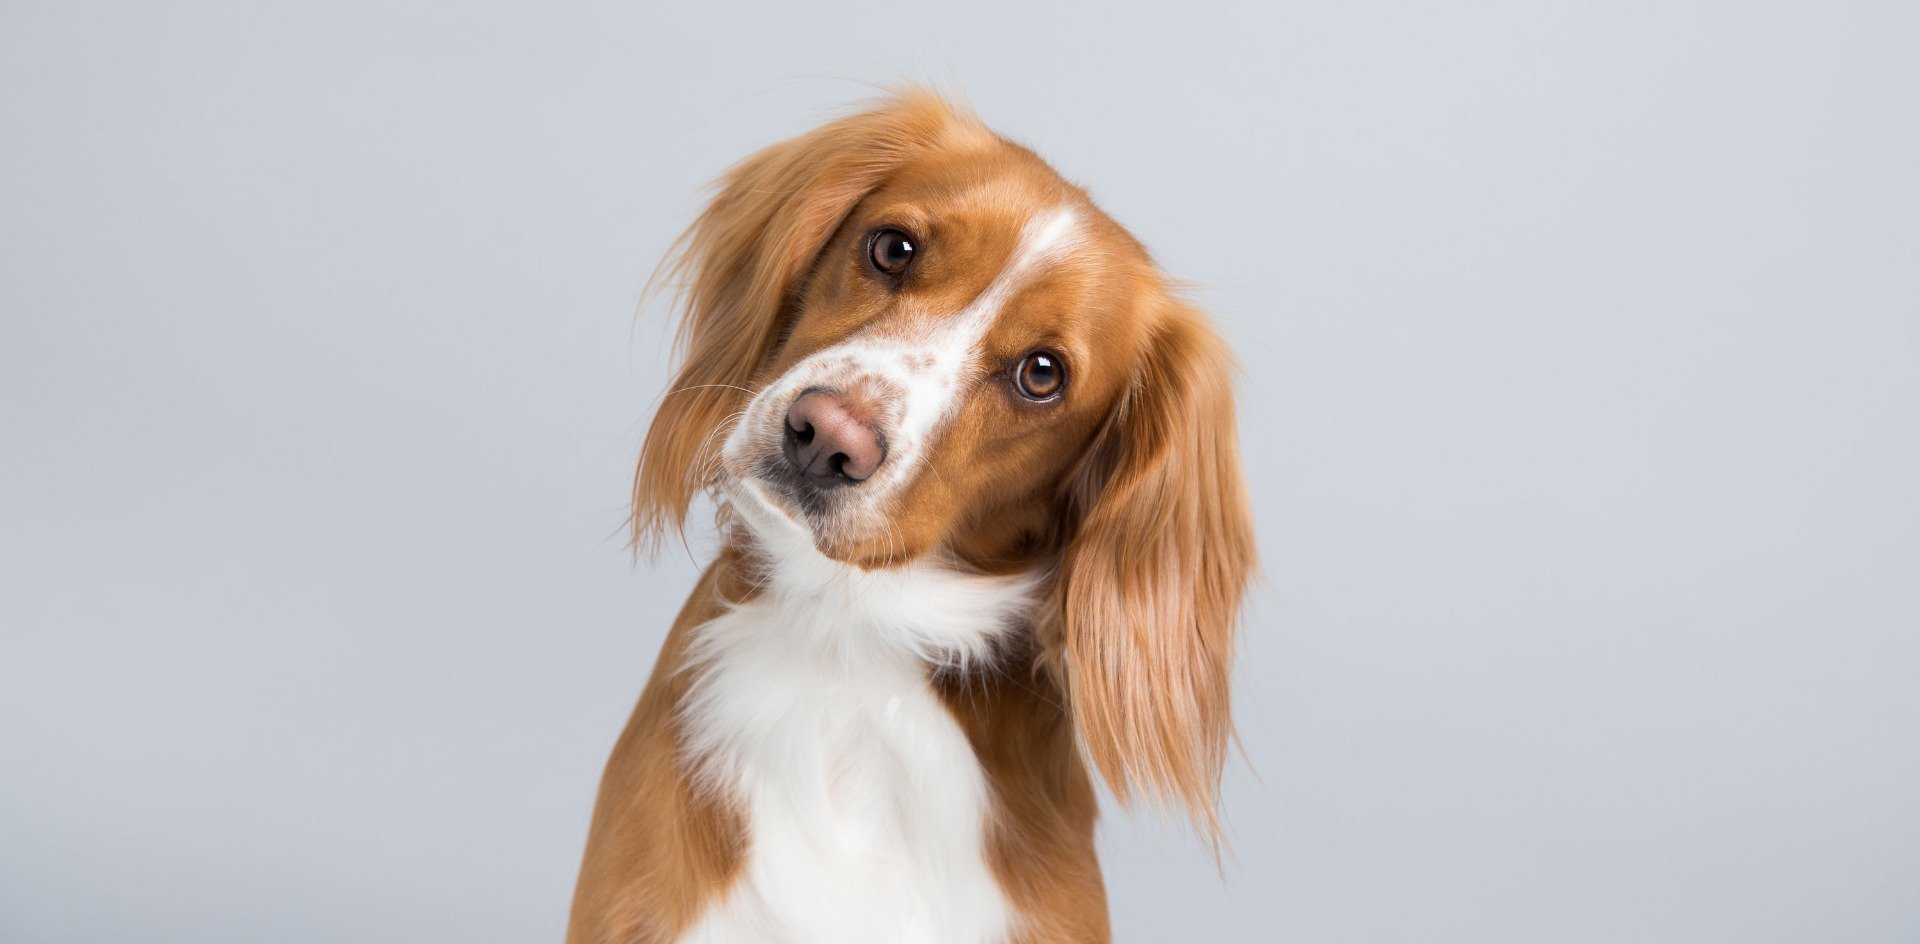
(808, 505)
(787, 518)
(772, 487)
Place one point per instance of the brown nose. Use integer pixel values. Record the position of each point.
(829, 446)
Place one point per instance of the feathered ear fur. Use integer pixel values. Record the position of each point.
(1150, 584)
(740, 266)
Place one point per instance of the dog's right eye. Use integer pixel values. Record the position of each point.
(1039, 376)
(890, 250)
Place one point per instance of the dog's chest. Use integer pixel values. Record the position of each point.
(864, 802)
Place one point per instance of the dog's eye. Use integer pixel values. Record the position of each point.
(1040, 376)
(890, 250)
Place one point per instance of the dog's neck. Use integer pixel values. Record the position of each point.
(812, 709)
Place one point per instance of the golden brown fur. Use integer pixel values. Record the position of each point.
(658, 850)
(1128, 494)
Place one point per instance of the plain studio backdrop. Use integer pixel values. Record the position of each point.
(1581, 407)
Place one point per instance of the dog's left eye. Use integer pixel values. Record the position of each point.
(1040, 376)
(890, 250)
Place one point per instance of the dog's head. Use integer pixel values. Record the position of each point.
(911, 337)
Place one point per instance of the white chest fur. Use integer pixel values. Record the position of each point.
(865, 804)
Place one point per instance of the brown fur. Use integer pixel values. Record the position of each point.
(1127, 491)
(659, 850)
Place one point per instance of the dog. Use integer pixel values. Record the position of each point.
(984, 531)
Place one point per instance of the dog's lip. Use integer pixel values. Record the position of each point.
(762, 501)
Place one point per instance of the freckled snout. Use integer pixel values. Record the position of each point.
(827, 445)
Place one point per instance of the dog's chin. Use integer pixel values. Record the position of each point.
(785, 519)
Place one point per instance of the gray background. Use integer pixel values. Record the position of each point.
(1581, 410)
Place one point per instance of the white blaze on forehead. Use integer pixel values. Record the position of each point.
(1043, 240)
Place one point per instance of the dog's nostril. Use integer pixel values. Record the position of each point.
(804, 434)
(838, 462)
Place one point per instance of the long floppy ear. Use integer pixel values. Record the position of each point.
(1150, 584)
(740, 266)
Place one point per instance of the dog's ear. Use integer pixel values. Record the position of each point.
(739, 267)
(1159, 549)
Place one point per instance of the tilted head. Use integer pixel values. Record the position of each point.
(913, 339)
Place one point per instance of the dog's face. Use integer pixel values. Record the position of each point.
(906, 337)
(954, 348)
